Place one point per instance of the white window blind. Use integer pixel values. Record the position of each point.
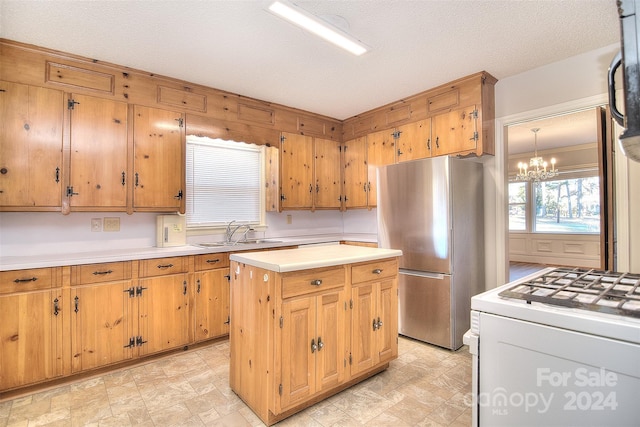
(224, 182)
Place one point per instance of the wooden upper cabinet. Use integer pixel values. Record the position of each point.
(327, 174)
(455, 131)
(296, 171)
(380, 152)
(414, 140)
(158, 141)
(354, 161)
(30, 147)
(98, 160)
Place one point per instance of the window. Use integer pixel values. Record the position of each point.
(224, 182)
(567, 205)
(517, 206)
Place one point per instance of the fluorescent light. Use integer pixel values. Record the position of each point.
(314, 25)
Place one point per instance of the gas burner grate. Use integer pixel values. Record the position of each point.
(595, 290)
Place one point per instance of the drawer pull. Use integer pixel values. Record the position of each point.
(98, 273)
(377, 271)
(316, 282)
(56, 307)
(33, 279)
(164, 266)
(213, 261)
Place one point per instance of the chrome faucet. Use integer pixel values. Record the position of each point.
(230, 232)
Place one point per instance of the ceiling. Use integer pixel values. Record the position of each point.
(239, 47)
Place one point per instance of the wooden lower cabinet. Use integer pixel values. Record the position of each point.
(313, 342)
(101, 325)
(163, 307)
(374, 305)
(211, 305)
(102, 306)
(32, 317)
(294, 335)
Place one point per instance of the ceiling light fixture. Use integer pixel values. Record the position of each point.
(538, 166)
(317, 26)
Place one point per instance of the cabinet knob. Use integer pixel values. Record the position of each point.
(320, 343)
(316, 282)
(314, 346)
(377, 271)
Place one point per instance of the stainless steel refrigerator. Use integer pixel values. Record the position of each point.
(432, 210)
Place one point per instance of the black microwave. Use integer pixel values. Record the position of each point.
(629, 58)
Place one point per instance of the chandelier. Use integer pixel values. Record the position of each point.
(536, 170)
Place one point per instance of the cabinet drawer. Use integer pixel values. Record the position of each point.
(211, 261)
(163, 266)
(305, 282)
(28, 280)
(96, 273)
(374, 270)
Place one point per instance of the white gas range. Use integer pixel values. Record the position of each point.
(560, 347)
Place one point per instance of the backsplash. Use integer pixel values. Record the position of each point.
(36, 233)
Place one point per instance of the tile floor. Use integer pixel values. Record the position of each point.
(425, 386)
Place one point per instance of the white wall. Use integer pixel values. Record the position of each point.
(35, 233)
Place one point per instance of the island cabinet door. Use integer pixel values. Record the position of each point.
(313, 345)
(374, 338)
(387, 335)
(332, 335)
(363, 338)
(298, 359)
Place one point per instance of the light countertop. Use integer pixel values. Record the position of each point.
(313, 257)
(80, 256)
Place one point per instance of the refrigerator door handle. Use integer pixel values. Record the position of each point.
(438, 276)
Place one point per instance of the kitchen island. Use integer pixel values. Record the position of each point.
(307, 323)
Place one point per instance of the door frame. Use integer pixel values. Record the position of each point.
(501, 249)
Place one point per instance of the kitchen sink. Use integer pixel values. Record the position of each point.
(212, 244)
(242, 242)
(258, 241)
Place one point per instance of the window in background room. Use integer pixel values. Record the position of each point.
(570, 205)
(517, 206)
(224, 182)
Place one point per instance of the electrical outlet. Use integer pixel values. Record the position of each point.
(96, 224)
(111, 224)
(289, 219)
